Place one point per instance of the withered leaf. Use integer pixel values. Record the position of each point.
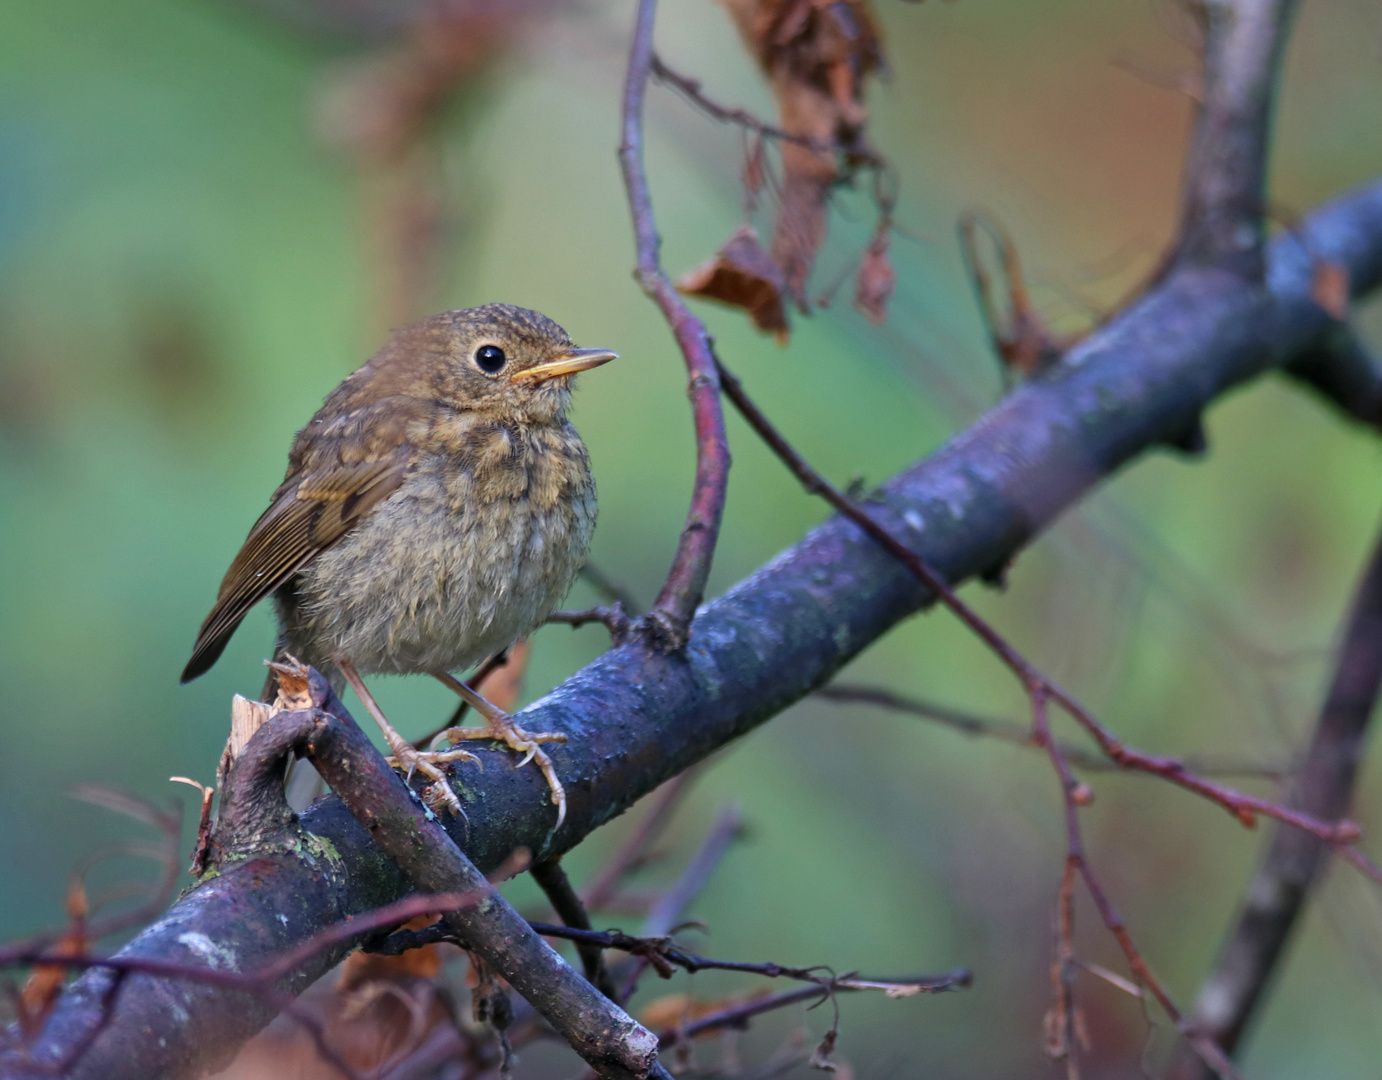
(742, 275)
(874, 284)
(817, 57)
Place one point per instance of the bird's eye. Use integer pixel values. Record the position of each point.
(490, 358)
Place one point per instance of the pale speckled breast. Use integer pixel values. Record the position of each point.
(475, 549)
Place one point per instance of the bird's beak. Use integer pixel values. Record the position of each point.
(573, 361)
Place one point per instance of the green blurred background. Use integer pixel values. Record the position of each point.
(189, 261)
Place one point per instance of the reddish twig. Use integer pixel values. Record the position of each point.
(1075, 795)
(1243, 806)
(691, 90)
(1040, 691)
(612, 618)
(1011, 731)
(684, 588)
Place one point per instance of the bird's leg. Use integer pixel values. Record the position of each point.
(404, 755)
(500, 726)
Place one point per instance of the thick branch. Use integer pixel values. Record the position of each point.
(1231, 993)
(637, 715)
(1342, 370)
(1225, 178)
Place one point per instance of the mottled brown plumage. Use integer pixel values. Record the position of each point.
(435, 509)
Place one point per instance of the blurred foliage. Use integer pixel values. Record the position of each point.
(184, 273)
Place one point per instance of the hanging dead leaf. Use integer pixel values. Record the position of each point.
(817, 57)
(1329, 287)
(820, 1058)
(874, 284)
(742, 275)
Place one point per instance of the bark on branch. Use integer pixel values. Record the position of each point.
(1225, 178)
(638, 715)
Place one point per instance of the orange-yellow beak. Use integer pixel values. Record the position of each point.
(575, 360)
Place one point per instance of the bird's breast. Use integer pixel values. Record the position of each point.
(473, 551)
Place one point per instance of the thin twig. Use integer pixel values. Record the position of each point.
(1018, 734)
(684, 588)
(1243, 806)
(612, 618)
(567, 904)
(692, 91)
(1075, 795)
(737, 1016)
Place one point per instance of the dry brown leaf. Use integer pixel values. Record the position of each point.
(1329, 287)
(876, 280)
(743, 275)
(41, 988)
(817, 57)
(361, 967)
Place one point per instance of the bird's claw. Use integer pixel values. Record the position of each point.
(502, 729)
(426, 762)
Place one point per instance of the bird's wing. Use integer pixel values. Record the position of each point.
(310, 512)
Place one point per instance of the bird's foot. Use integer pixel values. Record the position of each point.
(410, 760)
(501, 727)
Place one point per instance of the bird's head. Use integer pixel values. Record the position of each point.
(499, 359)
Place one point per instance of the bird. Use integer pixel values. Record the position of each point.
(436, 509)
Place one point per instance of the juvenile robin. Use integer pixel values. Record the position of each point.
(436, 509)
